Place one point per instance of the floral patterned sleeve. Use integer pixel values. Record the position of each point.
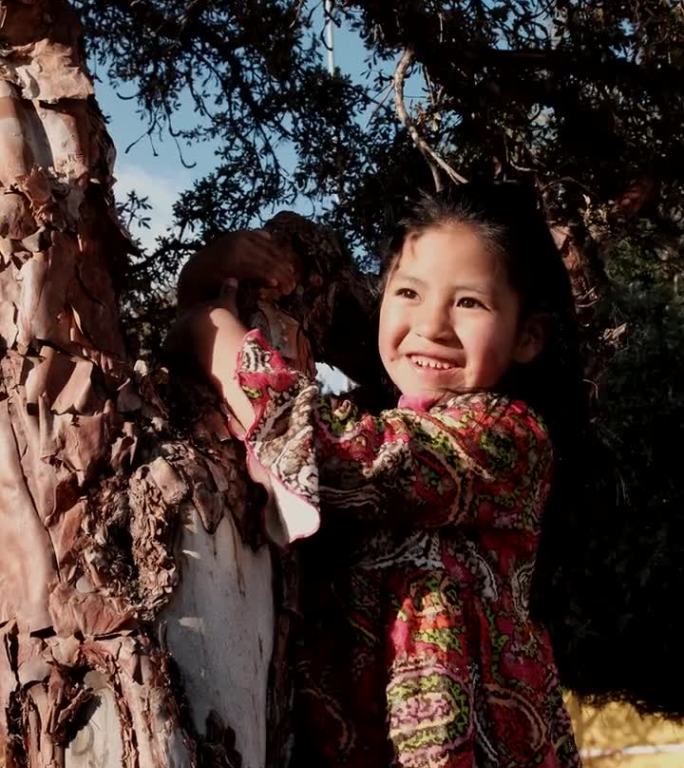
(478, 459)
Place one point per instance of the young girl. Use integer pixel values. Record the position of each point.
(417, 647)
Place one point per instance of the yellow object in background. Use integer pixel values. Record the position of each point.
(617, 736)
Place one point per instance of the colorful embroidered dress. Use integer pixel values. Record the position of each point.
(417, 648)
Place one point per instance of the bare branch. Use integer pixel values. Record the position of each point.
(431, 156)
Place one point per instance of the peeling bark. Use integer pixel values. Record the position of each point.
(137, 626)
(83, 677)
(138, 619)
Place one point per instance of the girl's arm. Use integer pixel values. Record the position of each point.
(209, 332)
(216, 335)
(481, 460)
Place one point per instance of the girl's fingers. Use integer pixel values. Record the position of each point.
(228, 294)
(254, 256)
(272, 265)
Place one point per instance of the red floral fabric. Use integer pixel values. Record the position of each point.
(417, 648)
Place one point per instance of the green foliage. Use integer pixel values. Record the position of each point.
(619, 560)
(642, 389)
(583, 96)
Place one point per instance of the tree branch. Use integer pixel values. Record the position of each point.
(451, 57)
(431, 156)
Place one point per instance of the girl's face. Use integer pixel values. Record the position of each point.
(449, 320)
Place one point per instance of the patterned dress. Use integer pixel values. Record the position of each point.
(417, 648)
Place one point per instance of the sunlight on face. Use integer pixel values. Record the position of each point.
(449, 319)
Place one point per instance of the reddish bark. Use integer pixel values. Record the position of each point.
(101, 506)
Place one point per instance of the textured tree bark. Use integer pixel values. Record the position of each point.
(137, 624)
(137, 611)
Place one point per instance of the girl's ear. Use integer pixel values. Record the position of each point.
(532, 338)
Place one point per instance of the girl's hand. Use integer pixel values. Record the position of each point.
(245, 255)
(211, 337)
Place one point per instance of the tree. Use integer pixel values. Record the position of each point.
(582, 99)
(100, 498)
(136, 597)
(110, 492)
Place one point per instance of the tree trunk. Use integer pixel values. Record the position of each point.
(137, 625)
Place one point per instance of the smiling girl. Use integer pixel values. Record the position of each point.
(417, 646)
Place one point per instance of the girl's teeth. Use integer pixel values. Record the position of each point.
(424, 363)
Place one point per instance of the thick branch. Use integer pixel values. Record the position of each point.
(451, 58)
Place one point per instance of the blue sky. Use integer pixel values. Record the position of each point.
(155, 170)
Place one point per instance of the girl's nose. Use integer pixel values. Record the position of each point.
(434, 322)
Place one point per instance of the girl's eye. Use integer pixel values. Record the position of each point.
(468, 302)
(406, 293)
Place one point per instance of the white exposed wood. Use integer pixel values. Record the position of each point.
(219, 629)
